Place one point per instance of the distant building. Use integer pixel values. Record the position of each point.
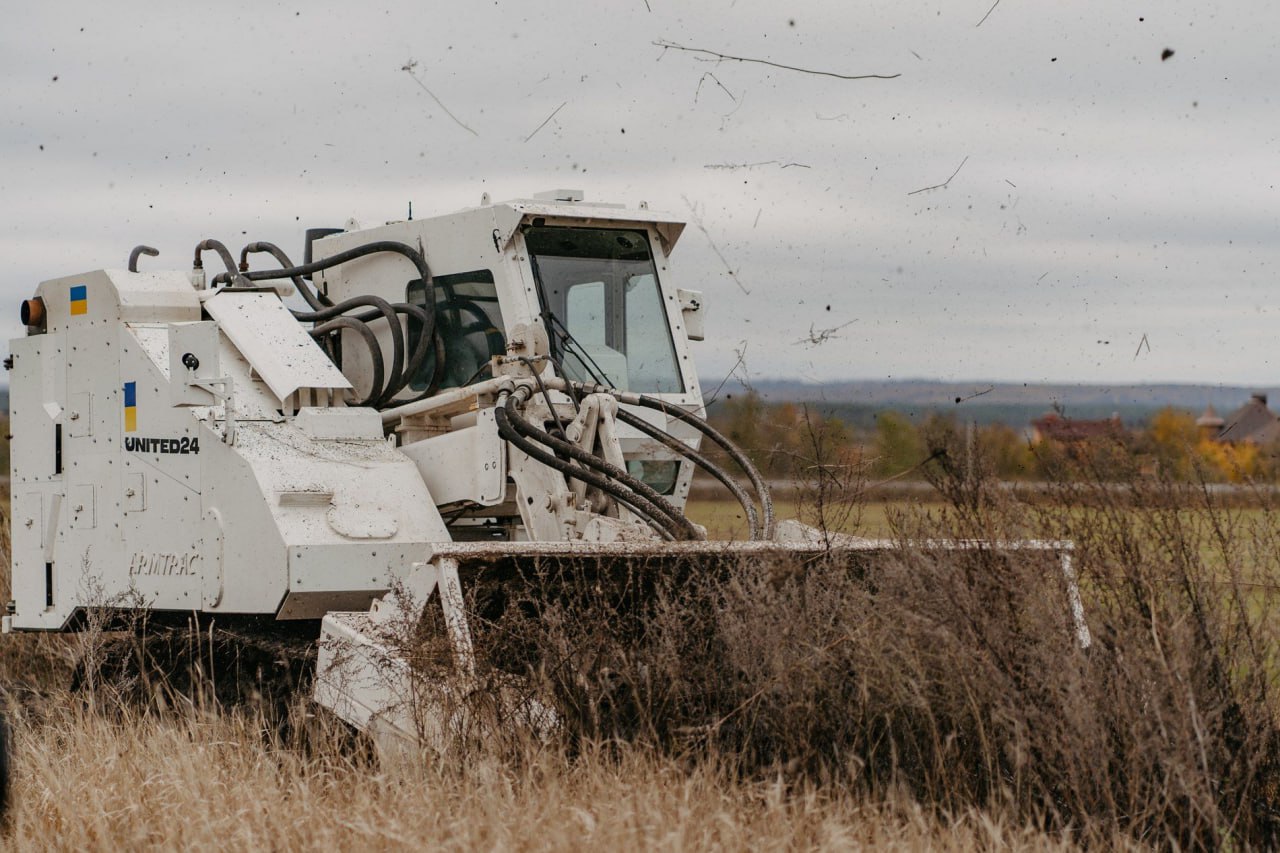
(1055, 427)
(1209, 424)
(1252, 423)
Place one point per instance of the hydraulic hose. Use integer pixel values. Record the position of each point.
(683, 526)
(375, 351)
(401, 373)
(748, 468)
(383, 310)
(399, 376)
(646, 510)
(420, 353)
(223, 252)
(315, 299)
(139, 251)
(753, 474)
(424, 273)
(399, 379)
(546, 396)
(734, 487)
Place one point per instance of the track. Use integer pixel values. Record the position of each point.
(163, 667)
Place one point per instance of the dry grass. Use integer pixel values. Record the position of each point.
(929, 699)
(214, 783)
(96, 773)
(726, 520)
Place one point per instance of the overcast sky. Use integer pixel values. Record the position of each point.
(1105, 194)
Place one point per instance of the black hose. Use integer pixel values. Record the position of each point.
(425, 344)
(649, 513)
(420, 353)
(400, 373)
(734, 487)
(568, 386)
(139, 251)
(424, 273)
(760, 487)
(375, 351)
(757, 481)
(488, 365)
(685, 528)
(323, 309)
(223, 252)
(383, 310)
(399, 378)
(315, 299)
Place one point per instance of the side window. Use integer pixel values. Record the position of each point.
(584, 310)
(600, 292)
(651, 362)
(470, 326)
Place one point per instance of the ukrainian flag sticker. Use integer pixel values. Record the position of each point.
(130, 406)
(79, 299)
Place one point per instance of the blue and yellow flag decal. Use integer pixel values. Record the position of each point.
(130, 406)
(79, 299)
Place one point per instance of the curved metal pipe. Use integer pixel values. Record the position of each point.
(137, 252)
(223, 252)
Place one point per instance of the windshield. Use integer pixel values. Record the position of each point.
(607, 321)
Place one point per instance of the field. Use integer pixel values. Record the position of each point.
(945, 706)
(725, 519)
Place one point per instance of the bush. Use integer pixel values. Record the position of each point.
(952, 674)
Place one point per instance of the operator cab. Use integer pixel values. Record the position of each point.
(593, 277)
(602, 307)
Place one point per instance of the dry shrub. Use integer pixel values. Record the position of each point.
(953, 675)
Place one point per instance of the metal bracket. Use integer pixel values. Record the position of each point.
(223, 388)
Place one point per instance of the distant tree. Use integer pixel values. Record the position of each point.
(898, 444)
(1171, 438)
(1007, 451)
(1233, 463)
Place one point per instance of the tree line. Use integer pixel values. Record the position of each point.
(786, 440)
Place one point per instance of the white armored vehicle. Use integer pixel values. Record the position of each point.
(509, 381)
(498, 386)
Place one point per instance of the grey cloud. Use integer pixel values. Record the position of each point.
(1144, 210)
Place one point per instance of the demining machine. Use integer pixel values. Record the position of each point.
(329, 448)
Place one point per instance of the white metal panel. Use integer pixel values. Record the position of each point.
(464, 465)
(135, 492)
(200, 341)
(154, 341)
(28, 557)
(333, 424)
(83, 515)
(37, 387)
(80, 414)
(277, 346)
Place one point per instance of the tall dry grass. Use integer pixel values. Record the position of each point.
(953, 676)
(195, 782)
(921, 697)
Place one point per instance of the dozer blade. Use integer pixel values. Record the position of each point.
(443, 655)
